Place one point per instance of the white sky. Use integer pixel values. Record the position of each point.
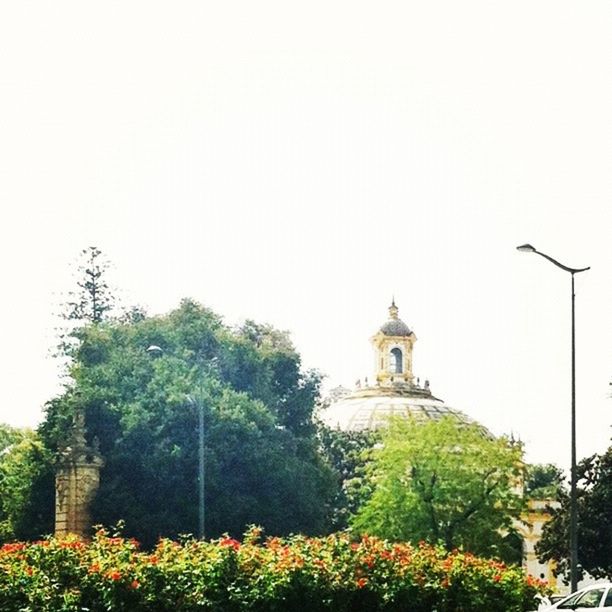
(300, 163)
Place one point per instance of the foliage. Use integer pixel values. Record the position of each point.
(9, 436)
(26, 487)
(93, 298)
(543, 481)
(594, 504)
(444, 482)
(261, 458)
(348, 453)
(225, 575)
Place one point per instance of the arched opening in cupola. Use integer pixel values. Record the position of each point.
(397, 362)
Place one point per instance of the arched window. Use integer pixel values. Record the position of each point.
(397, 365)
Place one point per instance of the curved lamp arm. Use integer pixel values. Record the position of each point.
(527, 248)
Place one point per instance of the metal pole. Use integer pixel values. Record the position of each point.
(201, 468)
(573, 527)
(573, 508)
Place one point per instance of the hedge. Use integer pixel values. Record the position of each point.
(295, 574)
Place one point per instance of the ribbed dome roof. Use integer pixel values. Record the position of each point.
(395, 327)
(355, 413)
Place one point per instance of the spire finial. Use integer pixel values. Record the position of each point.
(393, 310)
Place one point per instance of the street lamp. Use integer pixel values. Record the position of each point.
(200, 407)
(527, 248)
(156, 350)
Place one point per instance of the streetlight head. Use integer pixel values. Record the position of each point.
(526, 248)
(155, 350)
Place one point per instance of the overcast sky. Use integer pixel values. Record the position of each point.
(301, 163)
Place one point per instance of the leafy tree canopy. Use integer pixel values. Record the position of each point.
(348, 453)
(141, 408)
(9, 436)
(594, 506)
(26, 485)
(444, 482)
(543, 481)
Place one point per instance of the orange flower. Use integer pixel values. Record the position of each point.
(13, 547)
(369, 561)
(72, 544)
(361, 582)
(230, 543)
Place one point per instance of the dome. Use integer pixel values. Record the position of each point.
(395, 327)
(370, 408)
(394, 392)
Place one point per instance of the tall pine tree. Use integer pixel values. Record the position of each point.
(93, 298)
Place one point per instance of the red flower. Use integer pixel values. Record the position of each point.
(230, 543)
(135, 584)
(361, 582)
(13, 547)
(114, 575)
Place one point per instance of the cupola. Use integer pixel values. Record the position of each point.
(393, 350)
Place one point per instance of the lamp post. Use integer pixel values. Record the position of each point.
(527, 248)
(156, 350)
(200, 408)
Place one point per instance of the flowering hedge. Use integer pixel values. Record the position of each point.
(295, 574)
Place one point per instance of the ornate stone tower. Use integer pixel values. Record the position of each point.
(77, 478)
(393, 351)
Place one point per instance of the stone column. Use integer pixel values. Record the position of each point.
(77, 478)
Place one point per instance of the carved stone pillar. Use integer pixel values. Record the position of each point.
(77, 478)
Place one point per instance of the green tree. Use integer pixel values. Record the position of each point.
(543, 481)
(8, 436)
(261, 452)
(93, 298)
(348, 453)
(26, 487)
(594, 506)
(89, 304)
(444, 482)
